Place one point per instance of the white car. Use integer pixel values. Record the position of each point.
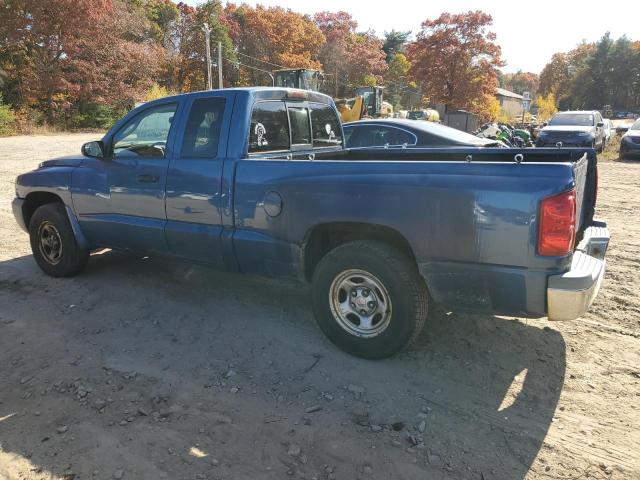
(608, 130)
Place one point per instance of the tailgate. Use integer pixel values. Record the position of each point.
(585, 175)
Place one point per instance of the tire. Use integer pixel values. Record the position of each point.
(53, 243)
(393, 284)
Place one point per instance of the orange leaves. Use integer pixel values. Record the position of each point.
(454, 58)
(351, 59)
(279, 35)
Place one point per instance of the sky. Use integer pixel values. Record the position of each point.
(528, 32)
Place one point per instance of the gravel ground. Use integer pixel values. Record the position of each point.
(143, 368)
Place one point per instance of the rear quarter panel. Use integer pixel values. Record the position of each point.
(458, 217)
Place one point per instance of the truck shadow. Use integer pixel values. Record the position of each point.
(474, 397)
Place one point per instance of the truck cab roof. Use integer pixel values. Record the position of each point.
(258, 93)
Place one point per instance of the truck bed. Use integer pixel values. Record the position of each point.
(475, 233)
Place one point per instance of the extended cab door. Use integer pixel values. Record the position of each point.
(119, 199)
(194, 193)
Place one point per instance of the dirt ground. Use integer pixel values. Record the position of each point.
(143, 368)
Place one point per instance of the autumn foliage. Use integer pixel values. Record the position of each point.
(455, 58)
(593, 75)
(82, 63)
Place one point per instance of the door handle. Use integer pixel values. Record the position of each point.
(148, 179)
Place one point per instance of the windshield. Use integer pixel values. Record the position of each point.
(635, 126)
(577, 119)
(309, 80)
(286, 80)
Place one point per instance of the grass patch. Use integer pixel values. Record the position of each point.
(612, 152)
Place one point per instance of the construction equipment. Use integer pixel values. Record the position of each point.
(303, 78)
(367, 103)
(350, 109)
(374, 104)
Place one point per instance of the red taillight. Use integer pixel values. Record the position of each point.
(557, 230)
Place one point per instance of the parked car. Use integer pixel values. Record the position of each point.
(428, 114)
(630, 142)
(574, 129)
(408, 133)
(257, 180)
(609, 130)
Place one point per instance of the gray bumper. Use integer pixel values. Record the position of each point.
(571, 294)
(16, 206)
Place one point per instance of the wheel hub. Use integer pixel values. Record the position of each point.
(360, 303)
(50, 243)
(363, 301)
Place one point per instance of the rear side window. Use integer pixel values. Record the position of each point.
(202, 133)
(300, 129)
(326, 127)
(379, 136)
(269, 127)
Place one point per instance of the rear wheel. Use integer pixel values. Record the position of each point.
(369, 299)
(53, 243)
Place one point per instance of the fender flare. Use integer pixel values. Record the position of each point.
(81, 239)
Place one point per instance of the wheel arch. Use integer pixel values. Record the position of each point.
(36, 199)
(33, 200)
(324, 237)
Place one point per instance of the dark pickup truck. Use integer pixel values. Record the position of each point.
(257, 180)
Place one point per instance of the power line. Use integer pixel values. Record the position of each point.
(238, 64)
(258, 60)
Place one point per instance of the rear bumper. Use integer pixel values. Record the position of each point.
(16, 206)
(570, 294)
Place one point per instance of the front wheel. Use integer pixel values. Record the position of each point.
(369, 299)
(53, 243)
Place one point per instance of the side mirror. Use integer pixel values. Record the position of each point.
(600, 124)
(93, 149)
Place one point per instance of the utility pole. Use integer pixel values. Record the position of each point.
(207, 35)
(219, 64)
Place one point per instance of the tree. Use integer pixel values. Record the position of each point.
(593, 75)
(274, 37)
(394, 42)
(188, 68)
(489, 110)
(546, 106)
(162, 16)
(520, 82)
(397, 80)
(41, 40)
(554, 77)
(337, 29)
(454, 58)
(558, 75)
(350, 59)
(365, 59)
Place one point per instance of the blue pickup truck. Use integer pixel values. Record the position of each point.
(257, 180)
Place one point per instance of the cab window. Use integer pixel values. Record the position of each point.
(269, 127)
(202, 132)
(300, 128)
(325, 125)
(146, 134)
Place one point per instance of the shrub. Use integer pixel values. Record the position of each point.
(7, 120)
(95, 116)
